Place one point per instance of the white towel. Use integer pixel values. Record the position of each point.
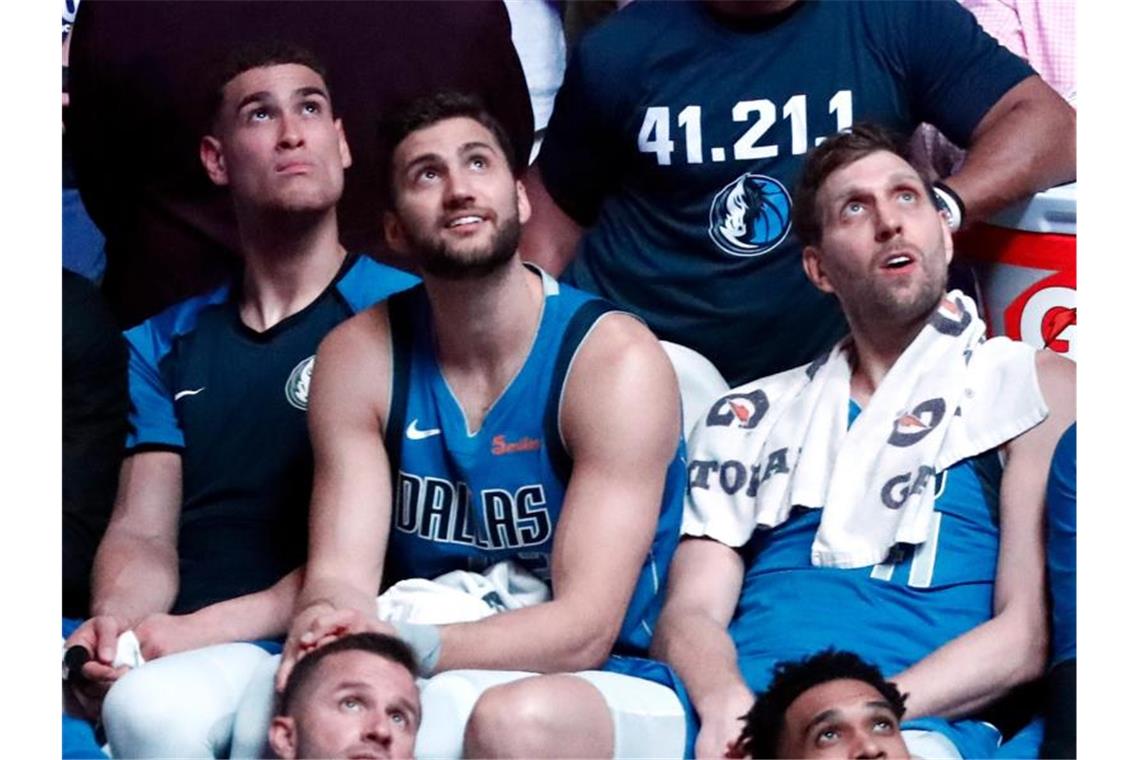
(461, 596)
(783, 441)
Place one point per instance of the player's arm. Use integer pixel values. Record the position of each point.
(1025, 143)
(261, 615)
(136, 567)
(620, 421)
(981, 665)
(692, 635)
(351, 505)
(551, 236)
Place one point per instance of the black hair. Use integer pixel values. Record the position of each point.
(764, 723)
(830, 156)
(380, 644)
(432, 109)
(255, 55)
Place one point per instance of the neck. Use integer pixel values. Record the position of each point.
(288, 261)
(875, 352)
(486, 325)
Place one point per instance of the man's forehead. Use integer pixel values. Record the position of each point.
(456, 133)
(873, 170)
(274, 79)
(845, 692)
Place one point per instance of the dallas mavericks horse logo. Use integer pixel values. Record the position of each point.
(297, 386)
(750, 216)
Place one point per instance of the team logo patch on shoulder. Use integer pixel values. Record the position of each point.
(911, 427)
(297, 386)
(750, 216)
(742, 410)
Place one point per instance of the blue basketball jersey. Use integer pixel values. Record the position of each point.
(464, 499)
(892, 614)
(231, 402)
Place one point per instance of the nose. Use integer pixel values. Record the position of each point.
(290, 135)
(867, 748)
(459, 190)
(377, 728)
(888, 223)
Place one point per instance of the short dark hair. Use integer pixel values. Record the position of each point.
(380, 644)
(432, 109)
(255, 55)
(765, 721)
(830, 156)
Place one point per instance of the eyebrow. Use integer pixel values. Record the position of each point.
(895, 178)
(264, 95)
(475, 145)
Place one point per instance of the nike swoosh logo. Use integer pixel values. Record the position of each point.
(416, 434)
(180, 394)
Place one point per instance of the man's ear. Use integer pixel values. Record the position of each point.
(342, 144)
(523, 202)
(947, 240)
(283, 737)
(210, 153)
(813, 268)
(394, 233)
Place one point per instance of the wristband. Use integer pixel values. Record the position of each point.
(947, 200)
(424, 642)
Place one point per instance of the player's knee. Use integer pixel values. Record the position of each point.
(181, 705)
(142, 719)
(551, 716)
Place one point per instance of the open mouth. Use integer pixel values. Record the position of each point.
(897, 260)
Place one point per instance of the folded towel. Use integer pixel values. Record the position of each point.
(786, 442)
(461, 596)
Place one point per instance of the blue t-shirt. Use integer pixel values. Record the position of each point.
(231, 401)
(1061, 546)
(892, 615)
(465, 500)
(678, 137)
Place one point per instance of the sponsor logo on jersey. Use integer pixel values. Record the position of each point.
(297, 386)
(500, 445)
(184, 394)
(951, 318)
(417, 434)
(914, 425)
(439, 510)
(740, 410)
(750, 216)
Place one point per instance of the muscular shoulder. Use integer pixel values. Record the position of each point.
(352, 372)
(362, 338)
(620, 376)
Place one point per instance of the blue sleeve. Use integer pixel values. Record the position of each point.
(152, 418)
(580, 156)
(368, 282)
(954, 71)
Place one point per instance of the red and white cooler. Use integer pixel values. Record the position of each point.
(1026, 260)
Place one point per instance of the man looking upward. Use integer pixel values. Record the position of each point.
(210, 523)
(495, 415)
(886, 499)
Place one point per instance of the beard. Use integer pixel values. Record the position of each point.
(437, 258)
(876, 303)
